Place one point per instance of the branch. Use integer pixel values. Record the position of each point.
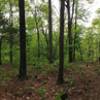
(66, 3)
(73, 7)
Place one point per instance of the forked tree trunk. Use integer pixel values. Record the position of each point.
(70, 35)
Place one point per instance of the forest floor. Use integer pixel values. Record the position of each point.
(82, 82)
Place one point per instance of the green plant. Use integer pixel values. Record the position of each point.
(41, 91)
(58, 96)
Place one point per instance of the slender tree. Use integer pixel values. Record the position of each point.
(38, 31)
(50, 31)
(0, 50)
(61, 44)
(1, 19)
(75, 35)
(3, 24)
(36, 18)
(22, 69)
(11, 34)
(70, 11)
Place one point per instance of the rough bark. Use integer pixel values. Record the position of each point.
(22, 69)
(75, 35)
(61, 45)
(11, 35)
(50, 31)
(70, 34)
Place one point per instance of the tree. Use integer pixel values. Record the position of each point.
(22, 69)
(61, 44)
(39, 15)
(0, 50)
(70, 11)
(38, 31)
(50, 31)
(96, 27)
(3, 27)
(1, 22)
(11, 34)
(75, 35)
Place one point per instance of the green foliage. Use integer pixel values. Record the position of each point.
(83, 45)
(41, 91)
(44, 8)
(58, 96)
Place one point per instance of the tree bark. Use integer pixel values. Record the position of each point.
(22, 69)
(11, 35)
(50, 31)
(70, 35)
(75, 35)
(61, 45)
(1, 51)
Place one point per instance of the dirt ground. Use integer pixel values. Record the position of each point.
(82, 82)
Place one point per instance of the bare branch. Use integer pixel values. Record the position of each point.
(73, 8)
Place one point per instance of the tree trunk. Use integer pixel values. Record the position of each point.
(50, 32)
(46, 39)
(70, 35)
(22, 69)
(75, 35)
(1, 51)
(11, 48)
(11, 35)
(38, 33)
(70, 42)
(61, 45)
(99, 51)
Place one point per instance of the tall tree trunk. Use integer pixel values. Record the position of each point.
(46, 38)
(38, 33)
(0, 50)
(11, 48)
(50, 31)
(11, 35)
(38, 38)
(70, 40)
(81, 53)
(75, 35)
(99, 51)
(70, 35)
(61, 45)
(23, 68)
